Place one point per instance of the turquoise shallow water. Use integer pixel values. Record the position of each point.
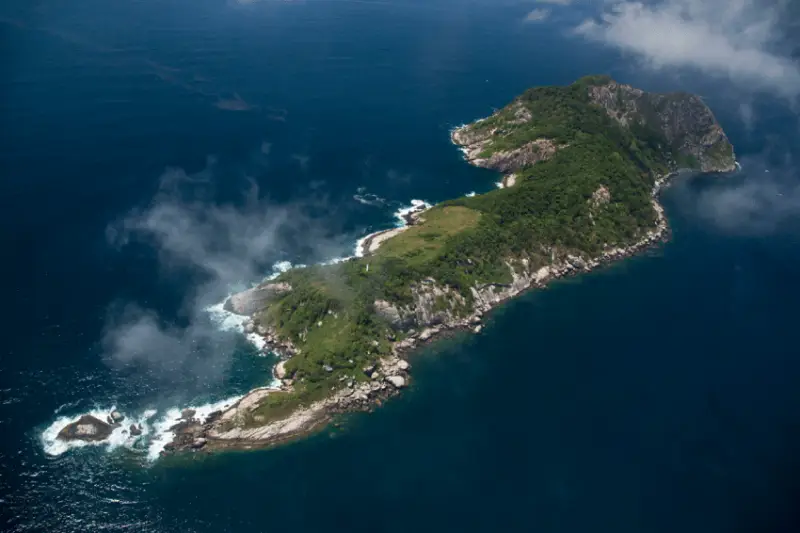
(655, 395)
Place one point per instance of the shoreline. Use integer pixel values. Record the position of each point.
(383, 382)
(235, 423)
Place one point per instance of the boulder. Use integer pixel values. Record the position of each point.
(426, 334)
(198, 443)
(116, 417)
(392, 314)
(135, 430)
(188, 414)
(249, 301)
(402, 364)
(477, 329)
(87, 428)
(398, 381)
(280, 370)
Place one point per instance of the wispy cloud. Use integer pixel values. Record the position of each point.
(555, 2)
(761, 200)
(220, 246)
(537, 15)
(741, 40)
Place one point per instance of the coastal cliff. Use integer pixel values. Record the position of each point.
(585, 165)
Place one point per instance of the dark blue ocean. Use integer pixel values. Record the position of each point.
(156, 154)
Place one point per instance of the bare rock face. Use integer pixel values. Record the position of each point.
(686, 122)
(252, 300)
(86, 428)
(526, 155)
(393, 315)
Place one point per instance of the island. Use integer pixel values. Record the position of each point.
(582, 168)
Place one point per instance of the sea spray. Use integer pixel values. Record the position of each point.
(120, 435)
(162, 432)
(156, 432)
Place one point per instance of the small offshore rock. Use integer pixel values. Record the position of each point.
(87, 428)
(398, 381)
(135, 431)
(116, 417)
(477, 329)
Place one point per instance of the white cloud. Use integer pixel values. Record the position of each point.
(736, 39)
(537, 15)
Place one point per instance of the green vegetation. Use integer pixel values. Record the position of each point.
(422, 243)
(466, 242)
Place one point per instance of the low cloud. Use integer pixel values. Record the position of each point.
(217, 245)
(759, 201)
(555, 2)
(537, 15)
(741, 40)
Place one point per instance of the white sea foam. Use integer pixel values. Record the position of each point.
(120, 436)
(416, 205)
(156, 432)
(163, 435)
(228, 321)
(369, 199)
(470, 194)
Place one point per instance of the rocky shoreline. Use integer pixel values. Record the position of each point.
(392, 373)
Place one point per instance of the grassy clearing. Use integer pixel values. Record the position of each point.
(421, 243)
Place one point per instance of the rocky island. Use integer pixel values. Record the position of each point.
(583, 166)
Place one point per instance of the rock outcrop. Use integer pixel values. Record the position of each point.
(249, 301)
(685, 121)
(87, 428)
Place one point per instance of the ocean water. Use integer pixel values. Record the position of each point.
(659, 394)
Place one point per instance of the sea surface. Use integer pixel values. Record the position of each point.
(157, 155)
